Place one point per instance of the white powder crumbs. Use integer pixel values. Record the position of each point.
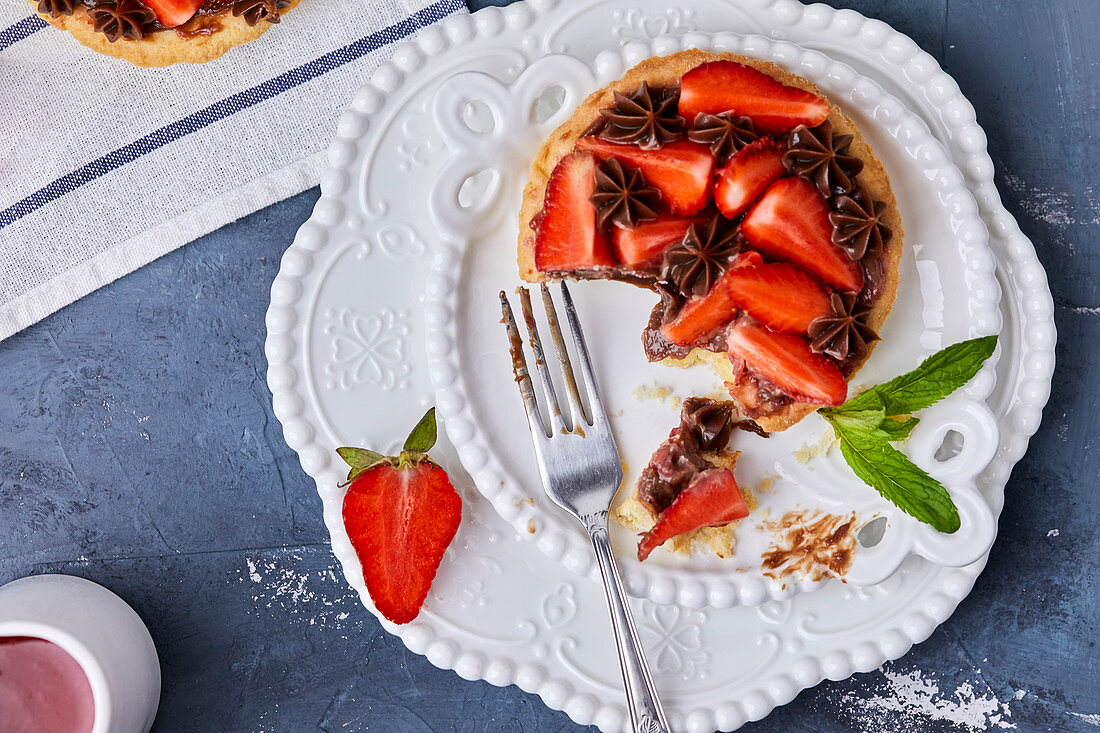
(1093, 719)
(1053, 533)
(916, 695)
(289, 584)
(1019, 694)
(1057, 208)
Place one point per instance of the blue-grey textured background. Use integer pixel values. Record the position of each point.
(138, 449)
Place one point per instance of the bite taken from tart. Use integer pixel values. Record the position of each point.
(765, 226)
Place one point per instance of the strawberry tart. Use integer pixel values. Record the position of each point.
(163, 32)
(754, 209)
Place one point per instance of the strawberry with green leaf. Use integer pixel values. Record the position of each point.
(400, 513)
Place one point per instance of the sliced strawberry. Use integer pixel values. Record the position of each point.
(681, 170)
(400, 515)
(780, 295)
(710, 500)
(644, 244)
(748, 258)
(703, 316)
(725, 86)
(791, 222)
(567, 238)
(172, 13)
(786, 361)
(747, 175)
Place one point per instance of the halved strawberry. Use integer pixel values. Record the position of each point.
(791, 222)
(725, 86)
(710, 500)
(786, 361)
(682, 170)
(780, 295)
(172, 13)
(567, 238)
(747, 175)
(703, 316)
(644, 244)
(400, 514)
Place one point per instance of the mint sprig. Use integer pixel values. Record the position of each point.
(938, 376)
(866, 425)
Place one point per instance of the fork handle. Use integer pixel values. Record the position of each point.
(646, 715)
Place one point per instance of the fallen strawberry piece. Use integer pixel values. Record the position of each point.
(567, 238)
(725, 86)
(710, 500)
(703, 316)
(172, 13)
(682, 170)
(786, 361)
(642, 246)
(780, 295)
(791, 222)
(747, 175)
(400, 514)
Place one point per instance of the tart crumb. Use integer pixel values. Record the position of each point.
(658, 393)
(638, 517)
(808, 452)
(767, 483)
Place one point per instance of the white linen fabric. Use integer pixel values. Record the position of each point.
(105, 166)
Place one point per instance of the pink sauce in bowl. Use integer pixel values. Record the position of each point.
(42, 688)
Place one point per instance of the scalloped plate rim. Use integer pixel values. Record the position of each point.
(1034, 379)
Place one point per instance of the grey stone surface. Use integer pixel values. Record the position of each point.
(138, 449)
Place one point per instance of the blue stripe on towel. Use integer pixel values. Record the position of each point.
(19, 31)
(227, 107)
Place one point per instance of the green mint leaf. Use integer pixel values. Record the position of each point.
(422, 437)
(898, 429)
(869, 418)
(938, 376)
(887, 470)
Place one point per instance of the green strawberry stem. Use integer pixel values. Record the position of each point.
(422, 437)
(415, 451)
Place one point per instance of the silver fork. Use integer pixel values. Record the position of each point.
(581, 471)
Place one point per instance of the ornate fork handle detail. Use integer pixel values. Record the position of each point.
(646, 715)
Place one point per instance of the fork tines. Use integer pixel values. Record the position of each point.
(578, 416)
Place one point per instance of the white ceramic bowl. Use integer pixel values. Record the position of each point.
(102, 633)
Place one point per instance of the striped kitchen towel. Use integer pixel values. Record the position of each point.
(105, 166)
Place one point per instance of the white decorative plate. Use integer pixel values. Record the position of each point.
(347, 365)
(948, 294)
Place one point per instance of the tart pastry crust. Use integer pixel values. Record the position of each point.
(195, 42)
